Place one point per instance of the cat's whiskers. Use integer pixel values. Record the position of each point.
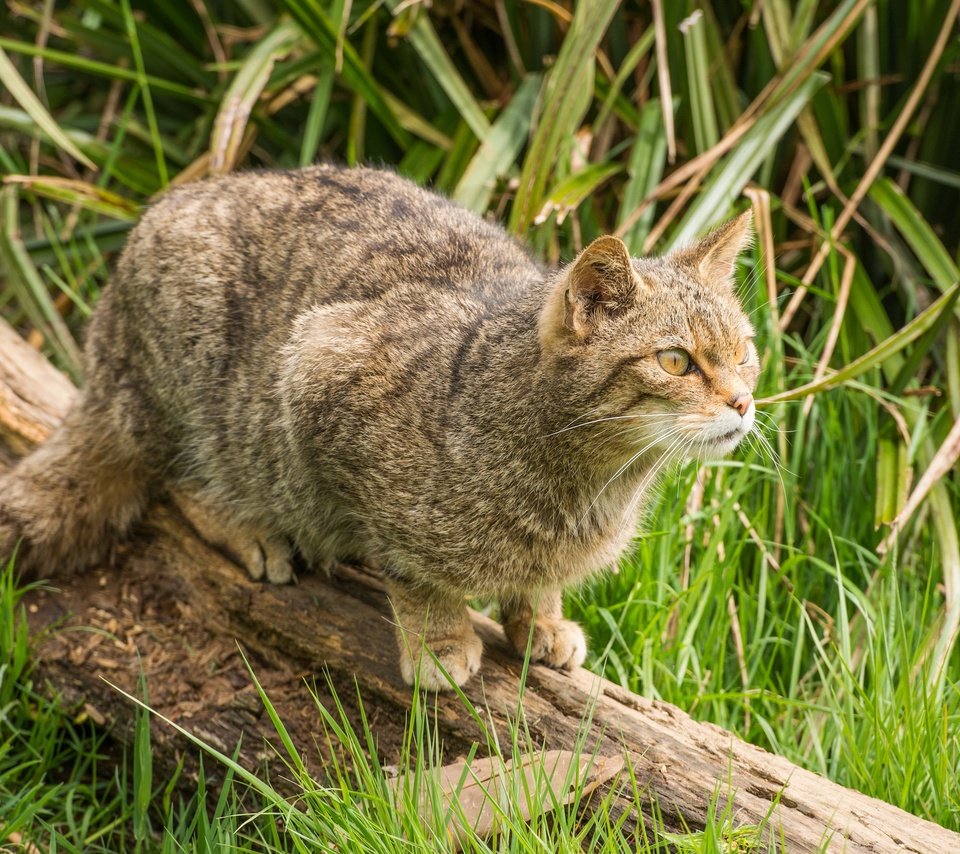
(765, 449)
(629, 417)
(774, 455)
(668, 435)
(637, 433)
(594, 415)
(747, 285)
(767, 423)
(648, 479)
(754, 276)
(765, 306)
(667, 456)
(700, 426)
(767, 420)
(637, 430)
(643, 427)
(700, 451)
(686, 457)
(756, 310)
(593, 410)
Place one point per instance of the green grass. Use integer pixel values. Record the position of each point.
(757, 598)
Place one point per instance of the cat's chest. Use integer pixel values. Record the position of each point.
(583, 538)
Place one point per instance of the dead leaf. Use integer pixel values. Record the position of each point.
(472, 792)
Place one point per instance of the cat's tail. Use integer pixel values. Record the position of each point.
(63, 505)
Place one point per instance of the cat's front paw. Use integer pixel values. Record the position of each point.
(459, 656)
(555, 642)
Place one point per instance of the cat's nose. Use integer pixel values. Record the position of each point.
(741, 402)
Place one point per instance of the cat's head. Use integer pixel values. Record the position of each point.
(657, 347)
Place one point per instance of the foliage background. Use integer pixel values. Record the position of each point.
(758, 598)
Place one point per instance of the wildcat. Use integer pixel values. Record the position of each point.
(339, 362)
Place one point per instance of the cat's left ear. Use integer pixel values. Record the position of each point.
(602, 282)
(714, 257)
(596, 288)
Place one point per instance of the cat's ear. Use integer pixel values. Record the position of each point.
(602, 282)
(714, 257)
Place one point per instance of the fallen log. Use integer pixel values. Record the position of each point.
(175, 607)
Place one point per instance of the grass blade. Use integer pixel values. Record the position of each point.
(566, 98)
(23, 95)
(663, 77)
(142, 771)
(918, 233)
(427, 44)
(317, 115)
(570, 193)
(879, 354)
(645, 168)
(499, 148)
(630, 62)
(738, 167)
(318, 26)
(415, 123)
(33, 294)
(104, 69)
(244, 92)
(705, 134)
(80, 193)
(943, 461)
(144, 84)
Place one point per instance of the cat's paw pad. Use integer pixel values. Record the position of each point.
(460, 657)
(271, 559)
(556, 643)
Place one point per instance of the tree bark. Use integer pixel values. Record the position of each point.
(174, 607)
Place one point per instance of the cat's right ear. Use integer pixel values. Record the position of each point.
(714, 257)
(600, 284)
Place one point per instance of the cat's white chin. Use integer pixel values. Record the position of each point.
(722, 434)
(719, 434)
(724, 444)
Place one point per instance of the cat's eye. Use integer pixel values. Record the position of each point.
(676, 362)
(746, 351)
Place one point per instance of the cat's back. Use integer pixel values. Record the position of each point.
(295, 238)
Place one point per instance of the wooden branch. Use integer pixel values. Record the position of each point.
(176, 607)
(33, 396)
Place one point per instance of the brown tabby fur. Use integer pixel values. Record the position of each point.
(339, 362)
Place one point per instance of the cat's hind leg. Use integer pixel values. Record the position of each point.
(535, 621)
(263, 555)
(435, 636)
